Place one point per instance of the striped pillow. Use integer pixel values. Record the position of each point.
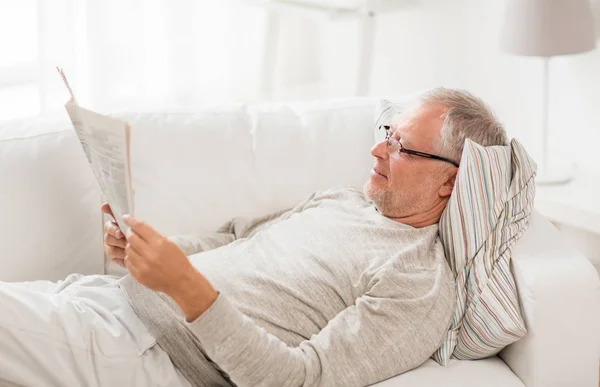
(487, 213)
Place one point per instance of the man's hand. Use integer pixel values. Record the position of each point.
(159, 264)
(114, 239)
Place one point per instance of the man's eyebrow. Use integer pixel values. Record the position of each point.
(396, 134)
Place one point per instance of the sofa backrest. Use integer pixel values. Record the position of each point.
(49, 202)
(192, 171)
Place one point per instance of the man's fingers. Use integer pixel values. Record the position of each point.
(145, 232)
(113, 252)
(113, 229)
(135, 241)
(112, 241)
(138, 245)
(137, 266)
(119, 261)
(131, 266)
(107, 210)
(133, 259)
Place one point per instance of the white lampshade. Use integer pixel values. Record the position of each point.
(548, 27)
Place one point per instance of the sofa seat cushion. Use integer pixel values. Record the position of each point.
(490, 372)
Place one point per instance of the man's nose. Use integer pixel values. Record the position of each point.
(380, 150)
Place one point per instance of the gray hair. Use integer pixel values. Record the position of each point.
(467, 116)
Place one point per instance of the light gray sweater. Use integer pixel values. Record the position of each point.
(329, 293)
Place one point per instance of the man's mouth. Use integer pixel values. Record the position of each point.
(377, 173)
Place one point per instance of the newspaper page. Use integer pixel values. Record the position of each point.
(106, 143)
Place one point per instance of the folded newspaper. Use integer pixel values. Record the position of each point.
(106, 143)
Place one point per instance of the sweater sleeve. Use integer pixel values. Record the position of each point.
(393, 328)
(196, 243)
(236, 228)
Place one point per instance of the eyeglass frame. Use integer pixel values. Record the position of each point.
(402, 149)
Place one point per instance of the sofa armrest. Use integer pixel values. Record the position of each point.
(559, 292)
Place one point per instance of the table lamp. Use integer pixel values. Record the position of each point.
(546, 28)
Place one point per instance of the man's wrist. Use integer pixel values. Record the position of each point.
(194, 295)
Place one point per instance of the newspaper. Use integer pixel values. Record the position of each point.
(106, 143)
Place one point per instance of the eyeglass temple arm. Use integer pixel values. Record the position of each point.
(422, 154)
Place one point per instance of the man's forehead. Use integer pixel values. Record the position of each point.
(418, 124)
(399, 132)
(403, 127)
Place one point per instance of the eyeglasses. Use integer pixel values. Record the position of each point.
(394, 146)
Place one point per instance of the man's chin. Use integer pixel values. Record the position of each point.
(371, 192)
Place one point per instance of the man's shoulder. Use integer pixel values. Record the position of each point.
(336, 196)
(340, 193)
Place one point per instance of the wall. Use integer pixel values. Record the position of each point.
(454, 43)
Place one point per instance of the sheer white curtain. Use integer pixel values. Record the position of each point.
(128, 54)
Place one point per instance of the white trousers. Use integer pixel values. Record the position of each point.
(77, 332)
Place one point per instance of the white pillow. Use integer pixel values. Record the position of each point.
(387, 112)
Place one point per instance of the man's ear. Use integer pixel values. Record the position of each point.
(446, 188)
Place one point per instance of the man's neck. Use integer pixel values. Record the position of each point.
(423, 219)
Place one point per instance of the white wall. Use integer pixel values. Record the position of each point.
(454, 43)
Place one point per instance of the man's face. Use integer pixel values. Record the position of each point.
(404, 185)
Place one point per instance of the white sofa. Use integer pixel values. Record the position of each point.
(195, 170)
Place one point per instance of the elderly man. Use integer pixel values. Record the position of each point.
(347, 288)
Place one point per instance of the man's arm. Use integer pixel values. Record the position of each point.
(236, 228)
(393, 328)
(196, 243)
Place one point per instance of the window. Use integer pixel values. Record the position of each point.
(19, 69)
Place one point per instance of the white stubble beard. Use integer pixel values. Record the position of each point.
(389, 203)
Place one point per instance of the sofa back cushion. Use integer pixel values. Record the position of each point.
(50, 224)
(192, 171)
